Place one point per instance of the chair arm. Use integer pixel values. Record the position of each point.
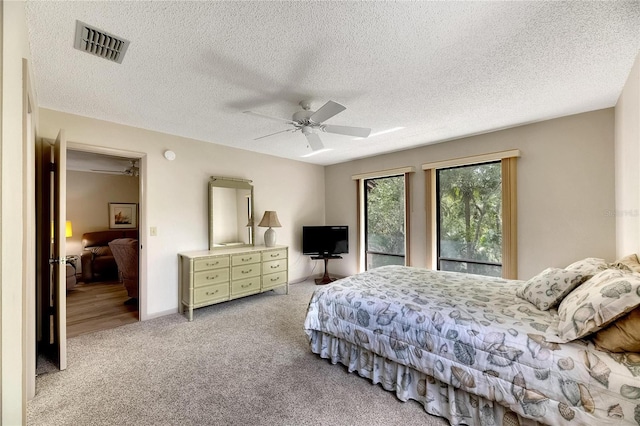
(86, 260)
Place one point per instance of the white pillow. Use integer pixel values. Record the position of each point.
(547, 289)
(589, 266)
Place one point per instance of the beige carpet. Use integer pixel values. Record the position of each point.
(244, 362)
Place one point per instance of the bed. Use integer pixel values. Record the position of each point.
(469, 349)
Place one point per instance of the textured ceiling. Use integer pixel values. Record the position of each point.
(439, 70)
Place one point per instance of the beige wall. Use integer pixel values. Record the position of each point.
(565, 190)
(176, 195)
(88, 198)
(627, 161)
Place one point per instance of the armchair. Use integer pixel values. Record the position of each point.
(96, 259)
(125, 252)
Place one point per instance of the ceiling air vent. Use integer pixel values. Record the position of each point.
(100, 43)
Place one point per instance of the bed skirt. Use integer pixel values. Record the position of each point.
(437, 398)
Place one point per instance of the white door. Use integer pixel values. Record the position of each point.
(58, 250)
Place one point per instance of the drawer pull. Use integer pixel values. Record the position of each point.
(275, 266)
(211, 294)
(212, 278)
(246, 260)
(246, 272)
(275, 255)
(274, 279)
(245, 285)
(212, 264)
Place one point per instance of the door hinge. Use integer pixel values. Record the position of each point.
(52, 167)
(59, 261)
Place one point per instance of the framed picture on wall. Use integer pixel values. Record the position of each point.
(123, 215)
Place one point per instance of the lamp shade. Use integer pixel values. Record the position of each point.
(270, 220)
(68, 232)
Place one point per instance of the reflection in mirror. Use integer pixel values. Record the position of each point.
(230, 213)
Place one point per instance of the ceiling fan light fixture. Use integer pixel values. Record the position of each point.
(309, 123)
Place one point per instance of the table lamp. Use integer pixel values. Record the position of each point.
(270, 220)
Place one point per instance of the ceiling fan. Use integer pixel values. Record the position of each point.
(132, 170)
(309, 122)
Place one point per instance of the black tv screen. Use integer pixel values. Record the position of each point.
(325, 240)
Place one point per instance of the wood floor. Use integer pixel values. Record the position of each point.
(98, 306)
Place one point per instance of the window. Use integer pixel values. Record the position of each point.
(469, 219)
(384, 221)
(471, 214)
(383, 218)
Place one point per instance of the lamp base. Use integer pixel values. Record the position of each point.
(270, 237)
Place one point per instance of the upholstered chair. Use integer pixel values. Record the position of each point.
(125, 252)
(97, 260)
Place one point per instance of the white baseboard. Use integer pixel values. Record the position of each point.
(159, 314)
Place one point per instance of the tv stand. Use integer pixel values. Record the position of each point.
(326, 279)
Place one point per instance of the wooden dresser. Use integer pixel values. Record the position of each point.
(213, 276)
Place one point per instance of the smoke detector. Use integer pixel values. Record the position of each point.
(100, 43)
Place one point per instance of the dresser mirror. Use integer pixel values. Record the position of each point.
(230, 213)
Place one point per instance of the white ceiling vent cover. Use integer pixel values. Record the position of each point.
(100, 43)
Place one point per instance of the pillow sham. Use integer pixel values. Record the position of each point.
(549, 287)
(621, 336)
(588, 266)
(598, 302)
(631, 263)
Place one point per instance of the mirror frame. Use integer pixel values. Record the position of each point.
(232, 183)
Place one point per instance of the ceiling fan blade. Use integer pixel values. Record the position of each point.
(359, 132)
(271, 134)
(119, 172)
(269, 117)
(326, 111)
(314, 141)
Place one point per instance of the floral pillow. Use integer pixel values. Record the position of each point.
(588, 267)
(598, 302)
(550, 286)
(630, 263)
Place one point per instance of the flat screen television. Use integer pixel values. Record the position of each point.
(325, 240)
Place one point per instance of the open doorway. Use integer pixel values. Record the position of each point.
(58, 256)
(103, 196)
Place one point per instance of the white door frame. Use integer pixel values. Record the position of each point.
(142, 212)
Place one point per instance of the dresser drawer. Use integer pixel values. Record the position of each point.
(210, 263)
(274, 255)
(244, 287)
(245, 259)
(274, 266)
(274, 280)
(213, 276)
(245, 271)
(211, 293)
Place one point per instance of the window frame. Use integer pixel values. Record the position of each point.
(366, 219)
(438, 195)
(508, 160)
(361, 211)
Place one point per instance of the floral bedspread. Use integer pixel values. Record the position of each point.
(472, 332)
